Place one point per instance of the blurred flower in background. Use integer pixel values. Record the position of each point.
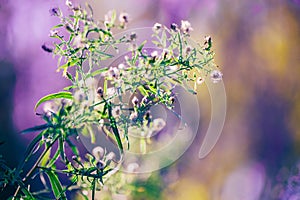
(257, 49)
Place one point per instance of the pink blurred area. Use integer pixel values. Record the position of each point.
(257, 47)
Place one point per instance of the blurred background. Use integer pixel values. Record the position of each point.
(257, 48)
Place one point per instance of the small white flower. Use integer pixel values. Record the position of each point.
(156, 27)
(98, 152)
(135, 101)
(53, 33)
(69, 3)
(200, 80)
(173, 67)
(78, 42)
(110, 91)
(101, 123)
(50, 107)
(116, 111)
(154, 54)
(85, 192)
(110, 156)
(158, 124)
(121, 66)
(114, 72)
(123, 17)
(133, 116)
(132, 167)
(186, 26)
(216, 76)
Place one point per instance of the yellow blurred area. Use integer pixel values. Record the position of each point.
(187, 188)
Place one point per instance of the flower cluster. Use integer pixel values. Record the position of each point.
(112, 99)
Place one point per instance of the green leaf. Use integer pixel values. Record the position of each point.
(45, 158)
(70, 63)
(36, 128)
(98, 71)
(141, 46)
(56, 185)
(64, 95)
(57, 26)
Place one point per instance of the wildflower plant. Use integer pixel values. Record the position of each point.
(108, 94)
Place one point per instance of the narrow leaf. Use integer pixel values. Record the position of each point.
(64, 95)
(56, 185)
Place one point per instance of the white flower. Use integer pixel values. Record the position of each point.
(69, 3)
(158, 124)
(135, 101)
(78, 42)
(50, 107)
(133, 116)
(110, 91)
(156, 27)
(114, 72)
(121, 66)
(186, 26)
(216, 76)
(173, 67)
(200, 80)
(123, 18)
(132, 167)
(154, 54)
(53, 33)
(110, 156)
(98, 152)
(116, 111)
(101, 123)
